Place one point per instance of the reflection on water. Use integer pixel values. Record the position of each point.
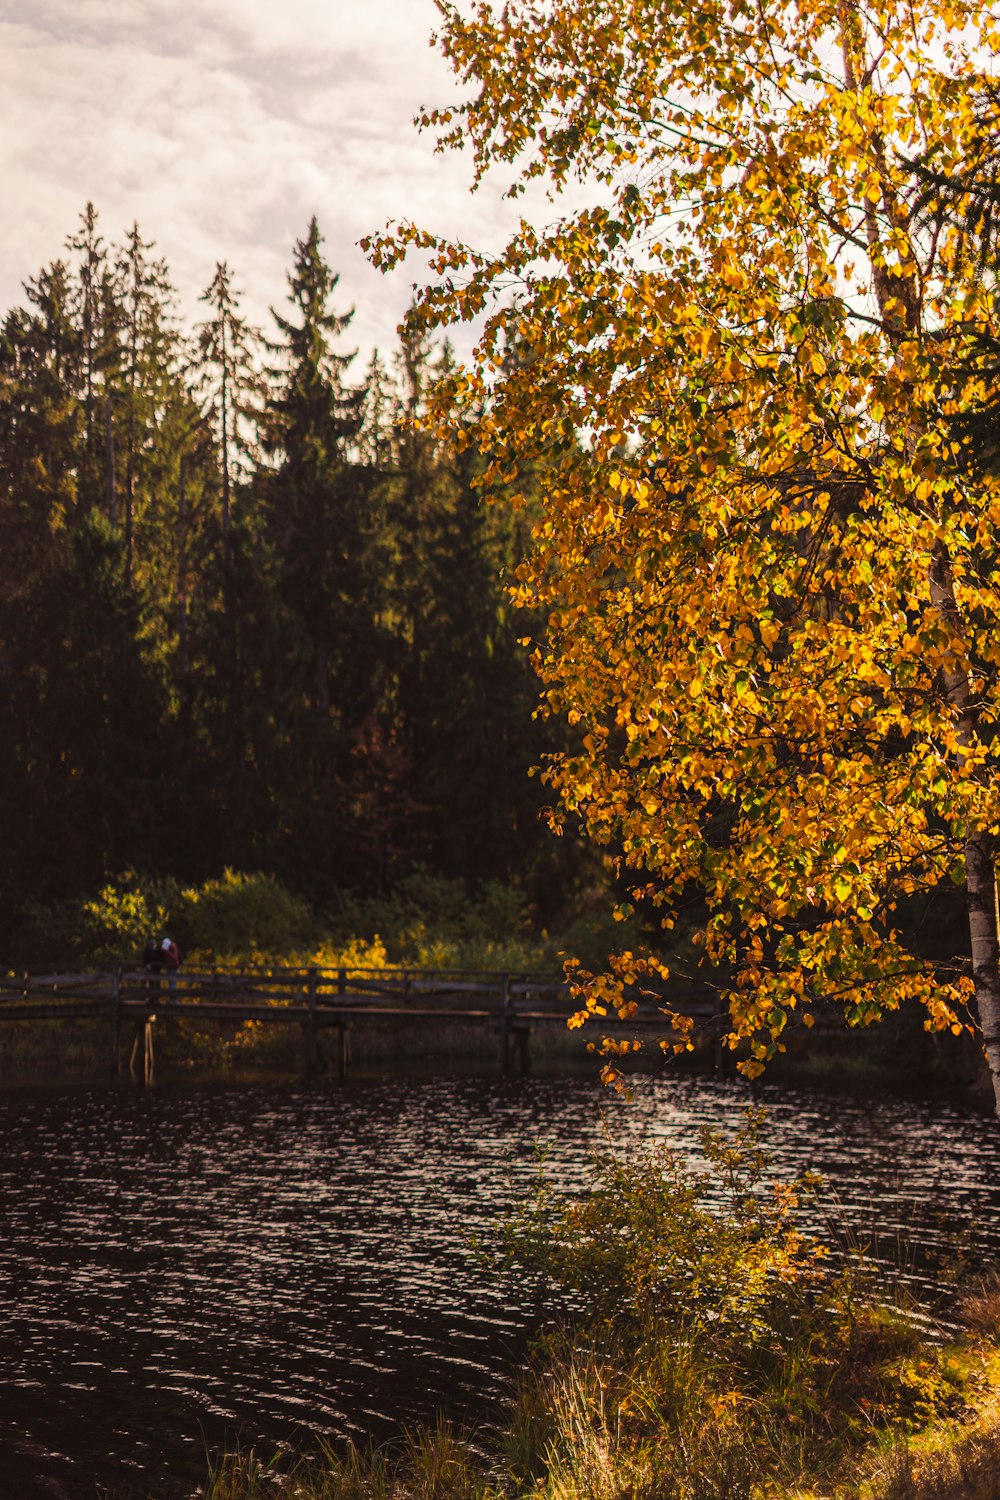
(183, 1267)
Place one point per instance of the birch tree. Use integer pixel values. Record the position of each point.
(772, 585)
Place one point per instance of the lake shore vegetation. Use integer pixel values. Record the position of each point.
(700, 1344)
(252, 921)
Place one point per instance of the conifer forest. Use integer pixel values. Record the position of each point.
(253, 616)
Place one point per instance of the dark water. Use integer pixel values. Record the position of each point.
(190, 1266)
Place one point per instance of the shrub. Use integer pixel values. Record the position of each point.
(433, 922)
(114, 925)
(246, 916)
(236, 916)
(658, 1243)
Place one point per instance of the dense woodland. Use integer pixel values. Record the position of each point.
(252, 617)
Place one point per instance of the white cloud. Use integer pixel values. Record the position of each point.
(222, 126)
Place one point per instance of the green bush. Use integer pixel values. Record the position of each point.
(245, 917)
(657, 1244)
(428, 922)
(114, 926)
(432, 922)
(234, 917)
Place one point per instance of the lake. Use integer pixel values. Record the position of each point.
(188, 1266)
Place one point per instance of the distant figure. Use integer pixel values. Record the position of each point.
(152, 957)
(171, 962)
(152, 962)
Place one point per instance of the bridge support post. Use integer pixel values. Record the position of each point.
(310, 1034)
(343, 1049)
(514, 1038)
(116, 1021)
(505, 1028)
(142, 1039)
(313, 1060)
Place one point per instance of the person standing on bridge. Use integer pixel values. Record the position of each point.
(152, 957)
(171, 962)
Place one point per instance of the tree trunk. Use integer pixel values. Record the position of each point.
(898, 300)
(109, 433)
(981, 888)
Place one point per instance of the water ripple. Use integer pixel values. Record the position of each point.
(185, 1266)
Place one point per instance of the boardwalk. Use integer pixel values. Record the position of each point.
(316, 1000)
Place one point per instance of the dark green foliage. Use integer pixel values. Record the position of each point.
(253, 618)
(464, 692)
(431, 921)
(81, 711)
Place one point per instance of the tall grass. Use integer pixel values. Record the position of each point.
(433, 1465)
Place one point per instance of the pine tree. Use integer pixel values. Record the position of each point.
(77, 697)
(148, 374)
(231, 380)
(375, 437)
(316, 506)
(466, 691)
(89, 245)
(322, 519)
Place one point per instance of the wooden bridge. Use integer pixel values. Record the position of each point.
(323, 1003)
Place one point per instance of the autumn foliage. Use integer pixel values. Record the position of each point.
(741, 354)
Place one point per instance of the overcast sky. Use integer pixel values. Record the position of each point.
(222, 126)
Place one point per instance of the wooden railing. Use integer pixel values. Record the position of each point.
(318, 999)
(287, 994)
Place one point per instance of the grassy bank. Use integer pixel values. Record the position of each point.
(590, 1458)
(699, 1348)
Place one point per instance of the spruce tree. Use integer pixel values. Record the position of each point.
(316, 507)
(148, 377)
(229, 376)
(322, 521)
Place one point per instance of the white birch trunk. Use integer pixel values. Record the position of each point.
(898, 299)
